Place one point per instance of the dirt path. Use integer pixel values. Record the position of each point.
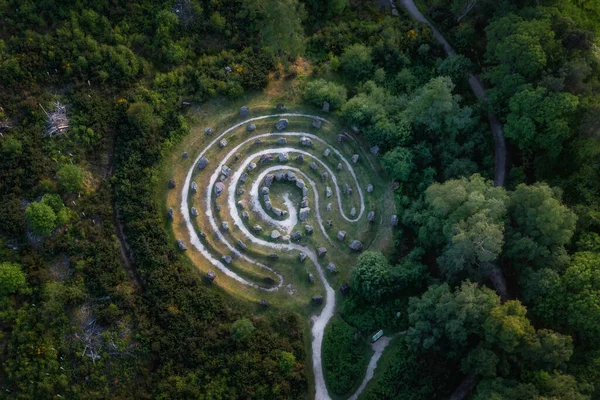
(500, 151)
(378, 348)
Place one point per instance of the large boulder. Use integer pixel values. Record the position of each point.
(309, 229)
(172, 183)
(304, 141)
(326, 106)
(321, 251)
(210, 276)
(266, 158)
(356, 245)
(275, 234)
(375, 150)
(332, 268)
(328, 192)
(394, 220)
(296, 236)
(208, 131)
(355, 158)
(311, 278)
(314, 166)
(251, 166)
(222, 143)
(371, 216)
(250, 127)
(282, 124)
(269, 180)
(300, 183)
(241, 245)
(257, 228)
(348, 189)
(226, 259)
(302, 257)
(341, 138)
(243, 178)
(219, 188)
(284, 157)
(225, 170)
(225, 226)
(341, 235)
(282, 140)
(326, 153)
(202, 163)
(185, 155)
(171, 214)
(316, 122)
(304, 213)
(181, 245)
(369, 188)
(244, 111)
(194, 187)
(290, 176)
(194, 212)
(353, 212)
(300, 158)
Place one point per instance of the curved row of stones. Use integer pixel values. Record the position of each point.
(271, 215)
(289, 147)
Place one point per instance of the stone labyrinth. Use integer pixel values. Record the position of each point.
(283, 204)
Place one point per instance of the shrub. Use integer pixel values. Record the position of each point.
(320, 90)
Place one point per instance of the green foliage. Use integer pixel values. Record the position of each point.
(540, 226)
(538, 119)
(344, 357)
(437, 109)
(443, 321)
(371, 276)
(70, 178)
(40, 218)
(465, 218)
(320, 90)
(12, 278)
(242, 330)
(357, 62)
(410, 375)
(456, 67)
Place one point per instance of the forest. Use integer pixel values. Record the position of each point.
(491, 289)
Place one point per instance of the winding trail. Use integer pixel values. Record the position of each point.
(319, 321)
(500, 151)
(378, 348)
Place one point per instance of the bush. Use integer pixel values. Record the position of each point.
(242, 329)
(320, 90)
(70, 178)
(344, 359)
(40, 218)
(357, 62)
(12, 278)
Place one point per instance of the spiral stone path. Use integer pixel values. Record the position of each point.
(247, 178)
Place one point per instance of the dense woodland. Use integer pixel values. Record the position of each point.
(78, 319)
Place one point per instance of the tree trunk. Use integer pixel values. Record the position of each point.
(497, 277)
(462, 391)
